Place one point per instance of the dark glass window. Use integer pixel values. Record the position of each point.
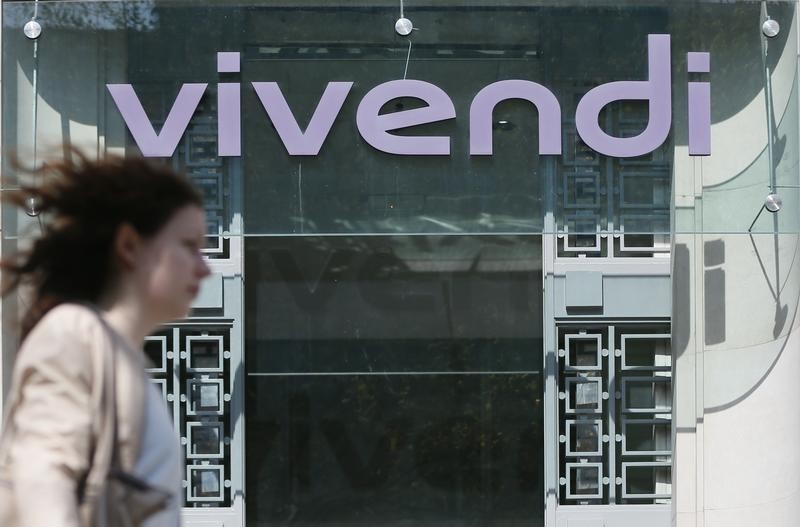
(394, 379)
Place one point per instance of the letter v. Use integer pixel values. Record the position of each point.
(154, 144)
(297, 142)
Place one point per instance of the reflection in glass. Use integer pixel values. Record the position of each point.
(208, 397)
(647, 436)
(387, 448)
(647, 352)
(584, 394)
(644, 189)
(582, 232)
(644, 480)
(205, 439)
(205, 397)
(585, 480)
(647, 393)
(584, 437)
(645, 231)
(582, 189)
(205, 483)
(584, 352)
(205, 353)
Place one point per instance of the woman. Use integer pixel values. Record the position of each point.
(120, 254)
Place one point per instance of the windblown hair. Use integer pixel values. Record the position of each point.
(82, 203)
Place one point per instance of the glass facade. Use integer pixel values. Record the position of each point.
(394, 378)
(442, 335)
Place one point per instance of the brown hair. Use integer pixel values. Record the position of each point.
(82, 204)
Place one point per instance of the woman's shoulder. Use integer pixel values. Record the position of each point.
(71, 317)
(65, 324)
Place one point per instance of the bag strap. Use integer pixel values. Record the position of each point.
(105, 452)
(125, 459)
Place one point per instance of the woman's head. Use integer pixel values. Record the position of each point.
(111, 225)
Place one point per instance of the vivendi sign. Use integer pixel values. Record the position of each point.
(375, 127)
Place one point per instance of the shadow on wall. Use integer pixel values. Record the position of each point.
(681, 299)
(752, 345)
(714, 294)
(781, 311)
(714, 291)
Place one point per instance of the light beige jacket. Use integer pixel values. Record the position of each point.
(56, 384)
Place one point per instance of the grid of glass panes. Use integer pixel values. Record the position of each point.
(191, 368)
(644, 413)
(615, 417)
(583, 414)
(612, 207)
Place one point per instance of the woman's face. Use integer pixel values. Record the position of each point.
(170, 266)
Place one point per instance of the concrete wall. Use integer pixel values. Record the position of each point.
(735, 316)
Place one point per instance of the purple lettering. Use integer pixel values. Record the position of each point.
(229, 62)
(699, 105)
(164, 143)
(374, 127)
(297, 142)
(480, 115)
(656, 90)
(229, 131)
(229, 107)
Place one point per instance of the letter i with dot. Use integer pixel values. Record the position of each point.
(699, 106)
(229, 116)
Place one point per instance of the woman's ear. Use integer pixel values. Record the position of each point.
(127, 242)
